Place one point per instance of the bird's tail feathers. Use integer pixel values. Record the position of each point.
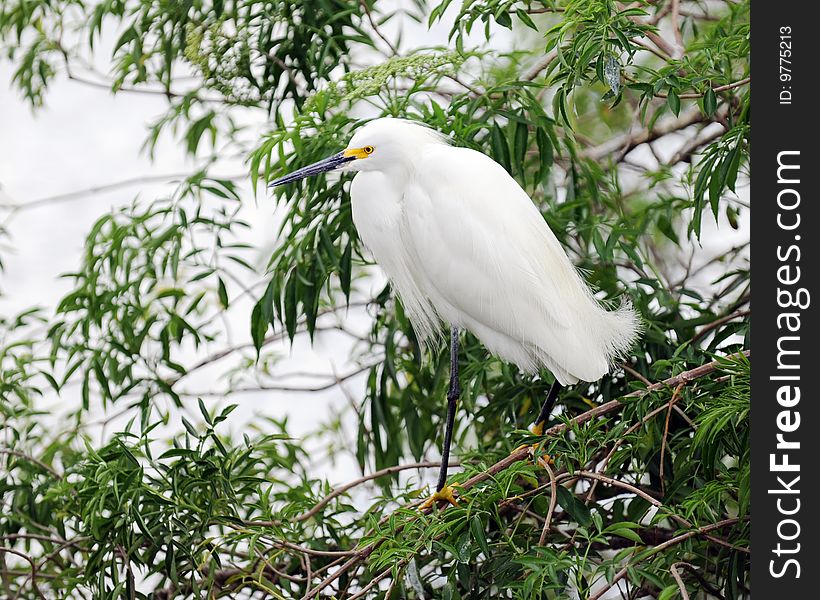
(618, 330)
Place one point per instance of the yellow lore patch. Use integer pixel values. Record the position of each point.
(363, 152)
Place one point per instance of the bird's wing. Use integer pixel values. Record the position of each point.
(492, 265)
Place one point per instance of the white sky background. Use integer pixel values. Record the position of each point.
(86, 137)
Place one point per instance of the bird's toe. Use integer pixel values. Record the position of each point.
(445, 494)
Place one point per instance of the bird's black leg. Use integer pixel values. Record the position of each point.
(452, 400)
(547, 407)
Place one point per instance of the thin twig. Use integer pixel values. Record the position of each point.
(658, 504)
(311, 551)
(32, 460)
(360, 556)
(68, 196)
(280, 388)
(675, 8)
(650, 48)
(373, 582)
(669, 406)
(553, 500)
(33, 574)
(110, 87)
(375, 27)
(619, 442)
(687, 149)
(542, 10)
(656, 39)
(375, 475)
(633, 139)
(681, 586)
(634, 373)
(542, 64)
(225, 352)
(525, 452)
(718, 89)
(718, 322)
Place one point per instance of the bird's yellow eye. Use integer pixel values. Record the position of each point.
(368, 149)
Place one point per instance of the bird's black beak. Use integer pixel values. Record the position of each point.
(329, 164)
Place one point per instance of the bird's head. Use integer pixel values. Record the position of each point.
(381, 145)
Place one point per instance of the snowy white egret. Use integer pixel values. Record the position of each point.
(462, 242)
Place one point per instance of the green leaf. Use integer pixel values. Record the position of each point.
(525, 18)
(669, 592)
(346, 269)
(709, 102)
(477, 529)
(673, 100)
(204, 411)
(626, 533)
(189, 427)
(576, 509)
(520, 136)
(222, 291)
(291, 300)
(259, 326)
(545, 153)
(85, 390)
(501, 151)
(666, 228)
(503, 18)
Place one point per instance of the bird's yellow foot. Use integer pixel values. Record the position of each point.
(447, 493)
(536, 429)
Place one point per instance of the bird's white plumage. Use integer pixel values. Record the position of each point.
(461, 241)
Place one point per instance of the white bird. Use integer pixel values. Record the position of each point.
(462, 242)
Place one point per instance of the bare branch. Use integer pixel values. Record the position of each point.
(553, 500)
(681, 586)
(32, 575)
(628, 141)
(32, 460)
(675, 8)
(718, 89)
(718, 322)
(265, 387)
(59, 198)
(375, 27)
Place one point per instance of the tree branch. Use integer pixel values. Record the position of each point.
(32, 460)
(59, 198)
(375, 27)
(33, 574)
(281, 388)
(614, 405)
(681, 586)
(628, 141)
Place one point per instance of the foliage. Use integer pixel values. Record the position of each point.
(629, 127)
